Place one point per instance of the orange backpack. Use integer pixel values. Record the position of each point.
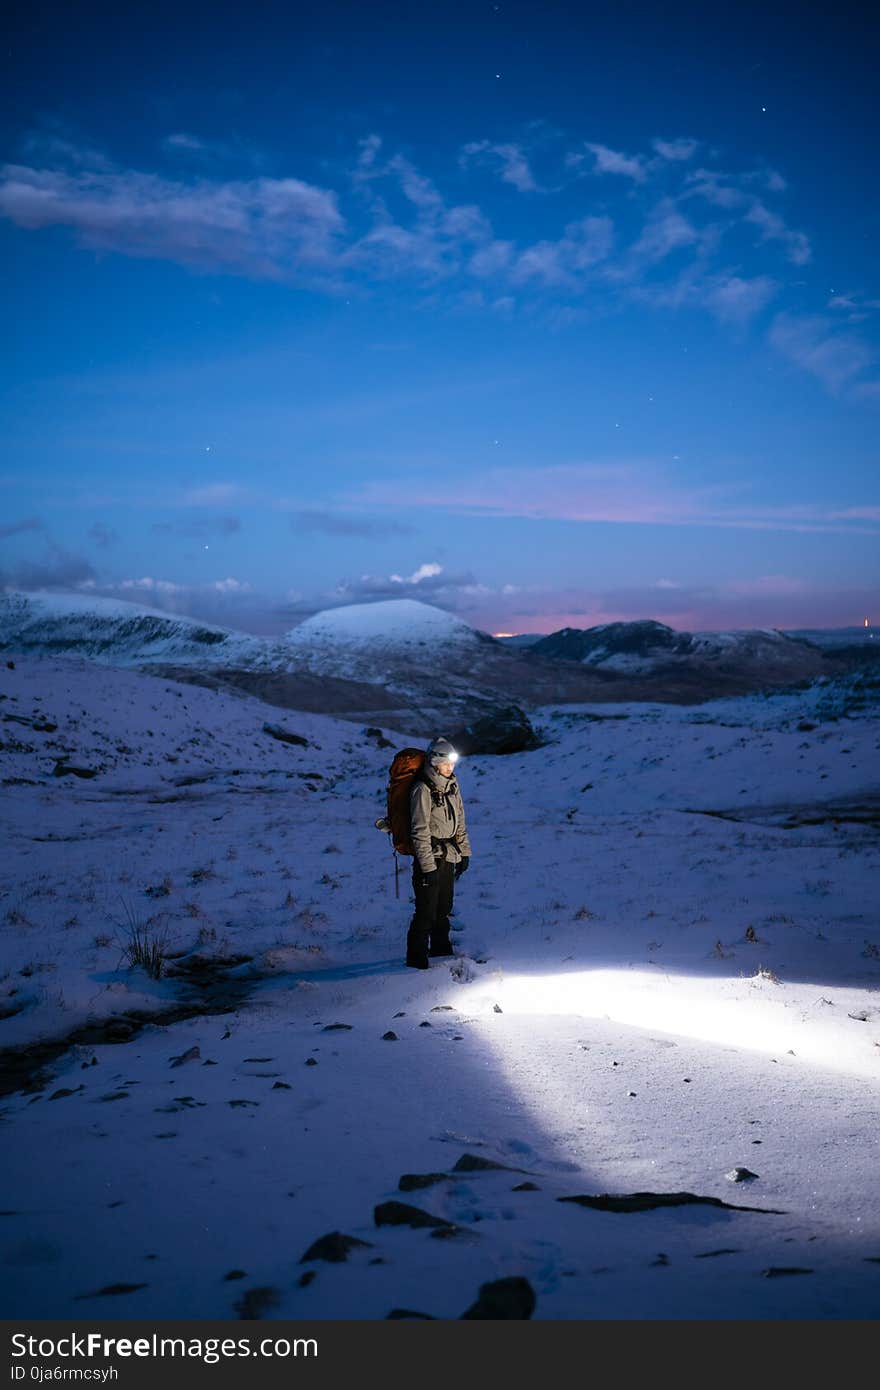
(406, 767)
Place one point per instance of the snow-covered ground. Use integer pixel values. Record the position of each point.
(668, 969)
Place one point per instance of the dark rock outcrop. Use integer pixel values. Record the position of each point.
(505, 1299)
(650, 1201)
(411, 1182)
(504, 730)
(334, 1248)
(400, 1214)
(284, 735)
(473, 1163)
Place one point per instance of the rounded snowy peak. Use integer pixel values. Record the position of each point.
(402, 622)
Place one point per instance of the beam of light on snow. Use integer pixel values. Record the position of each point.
(749, 1013)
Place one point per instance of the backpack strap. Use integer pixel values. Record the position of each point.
(438, 798)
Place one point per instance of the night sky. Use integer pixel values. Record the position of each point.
(548, 314)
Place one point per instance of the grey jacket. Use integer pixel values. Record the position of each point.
(439, 822)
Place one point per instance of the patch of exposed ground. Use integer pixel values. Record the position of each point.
(208, 985)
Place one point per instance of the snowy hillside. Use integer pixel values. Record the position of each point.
(363, 661)
(414, 665)
(129, 634)
(666, 984)
(641, 647)
(125, 634)
(838, 636)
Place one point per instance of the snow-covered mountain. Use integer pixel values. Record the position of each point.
(520, 639)
(117, 633)
(400, 661)
(818, 636)
(641, 647)
(342, 640)
(337, 640)
(414, 665)
(620, 646)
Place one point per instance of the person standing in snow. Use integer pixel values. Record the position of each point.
(442, 852)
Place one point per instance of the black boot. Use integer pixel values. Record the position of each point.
(417, 949)
(442, 948)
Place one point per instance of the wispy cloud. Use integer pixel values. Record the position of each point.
(608, 161)
(851, 307)
(593, 159)
(102, 535)
(858, 514)
(213, 495)
(510, 160)
(731, 298)
(265, 228)
(334, 524)
(287, 229)
(773, 228)
(61, 147)
(437, 242)
(430, 582)
(398, 224)
(197, 527)
(147, 584)
(225, 602)
(634, 492)
(182, 141)
(15, 528)
(716, 187)
(637, 493)
(836, 355)
(733, 194)
(768, 584)
(495, 258)
(768, 178)
(676, 150)
(866, 390)
(185, 146)
(665, 231)
(734, 299)
(57, 569)
(563, 262)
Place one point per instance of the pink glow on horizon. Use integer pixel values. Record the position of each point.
(722, 616)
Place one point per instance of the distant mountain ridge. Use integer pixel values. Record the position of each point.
(121, 633)
(396, 662)
(626, 645)
(117, 633)
(644, 645)
(416, 667)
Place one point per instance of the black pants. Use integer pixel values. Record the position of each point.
(429, 928)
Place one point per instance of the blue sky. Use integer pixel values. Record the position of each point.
(548, 314)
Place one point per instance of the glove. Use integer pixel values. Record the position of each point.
(462, 865)
(428, 880)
